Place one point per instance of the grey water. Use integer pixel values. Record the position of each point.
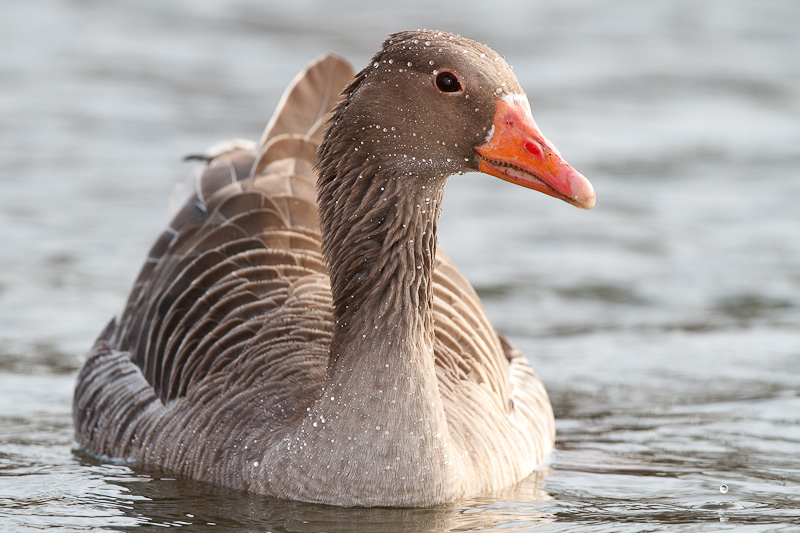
(665, 322)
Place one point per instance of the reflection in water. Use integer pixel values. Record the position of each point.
(149, 497)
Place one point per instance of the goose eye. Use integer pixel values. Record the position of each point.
(447, 81)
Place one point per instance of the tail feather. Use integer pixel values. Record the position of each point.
(294, 131)
(307, 101)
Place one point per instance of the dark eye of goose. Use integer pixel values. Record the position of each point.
(447, 81)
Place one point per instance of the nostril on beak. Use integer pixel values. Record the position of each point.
(532, 148)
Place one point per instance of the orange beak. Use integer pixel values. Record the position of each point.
(516, 151)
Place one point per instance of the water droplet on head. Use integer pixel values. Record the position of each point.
(723, 488)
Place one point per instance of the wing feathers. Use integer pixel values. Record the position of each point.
(310, 97)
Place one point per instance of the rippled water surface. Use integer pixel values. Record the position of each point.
(665, 322)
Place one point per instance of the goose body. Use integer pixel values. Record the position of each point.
(295, 332)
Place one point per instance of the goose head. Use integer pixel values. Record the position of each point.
(431, 104)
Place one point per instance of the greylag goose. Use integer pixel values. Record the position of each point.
(296, 333)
